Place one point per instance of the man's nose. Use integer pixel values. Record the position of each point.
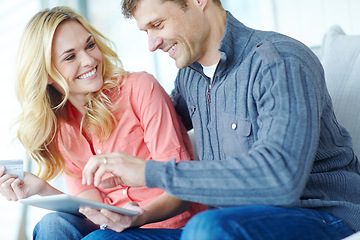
(154, 41)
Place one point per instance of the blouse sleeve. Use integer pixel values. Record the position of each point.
(164, 134)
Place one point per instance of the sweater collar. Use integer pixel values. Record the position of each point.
(232, 45)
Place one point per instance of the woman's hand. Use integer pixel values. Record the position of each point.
(115, 221)
(13, 189)
(127, 169)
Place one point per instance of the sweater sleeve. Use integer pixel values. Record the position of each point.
(288, 100)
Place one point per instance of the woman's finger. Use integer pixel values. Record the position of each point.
(115, 217)
(119, 221)
(2, 170)
(6, 177)
(8, 191)
(97, 217)
(94, 215)
(20, 192)
(5, 185)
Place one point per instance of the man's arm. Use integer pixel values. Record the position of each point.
(181, 108)
(288, 96)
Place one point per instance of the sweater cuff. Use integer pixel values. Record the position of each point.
(156, 173)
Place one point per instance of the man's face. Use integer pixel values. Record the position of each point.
(179, 32)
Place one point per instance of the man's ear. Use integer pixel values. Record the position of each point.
(201, 3)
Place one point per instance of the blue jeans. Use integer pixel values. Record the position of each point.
(63, 226)
(135, 234)
(252, 222)
(59, 225)
(265, 222)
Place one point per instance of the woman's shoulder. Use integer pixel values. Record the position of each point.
(143, 88)
(140, 78)
(141, 83)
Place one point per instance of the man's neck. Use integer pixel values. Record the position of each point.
(217, 19)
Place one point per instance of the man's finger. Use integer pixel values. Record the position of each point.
(111, 182)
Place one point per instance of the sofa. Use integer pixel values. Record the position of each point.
(340, 56)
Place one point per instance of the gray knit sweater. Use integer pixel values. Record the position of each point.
(266, 132)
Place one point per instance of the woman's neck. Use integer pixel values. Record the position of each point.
(79, 104)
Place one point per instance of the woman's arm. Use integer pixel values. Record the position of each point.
(92, 194)
(13, 189)
(164, 207)
(163, 137)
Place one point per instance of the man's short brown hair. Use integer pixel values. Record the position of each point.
(129, 6)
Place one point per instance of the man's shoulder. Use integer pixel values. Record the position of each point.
(273, 46)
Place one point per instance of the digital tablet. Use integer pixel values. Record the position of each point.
(70, 204)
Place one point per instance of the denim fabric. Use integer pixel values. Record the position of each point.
(265, 223)
(136, 234)
(250, 222)
(60, 226)
(64, 226)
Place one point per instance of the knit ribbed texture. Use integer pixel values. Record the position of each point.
(269, 136)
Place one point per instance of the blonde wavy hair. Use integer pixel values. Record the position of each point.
(43, 107)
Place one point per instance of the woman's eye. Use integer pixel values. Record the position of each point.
(91, 45)
(70, 57)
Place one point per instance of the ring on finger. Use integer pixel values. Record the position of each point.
(103, 226)
(105, 160)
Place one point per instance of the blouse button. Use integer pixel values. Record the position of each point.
(233, 126)
(98, 151)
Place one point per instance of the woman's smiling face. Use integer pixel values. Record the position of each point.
(78, 59)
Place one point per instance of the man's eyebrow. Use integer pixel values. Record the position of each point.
(148, 24)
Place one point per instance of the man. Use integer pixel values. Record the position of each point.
(274, 161)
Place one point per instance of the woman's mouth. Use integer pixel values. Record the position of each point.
(88, 74)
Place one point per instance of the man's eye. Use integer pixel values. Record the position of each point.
(158, 25)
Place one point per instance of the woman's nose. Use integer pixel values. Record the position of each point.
(87, 60)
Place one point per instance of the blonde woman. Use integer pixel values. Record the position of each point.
(78, 103)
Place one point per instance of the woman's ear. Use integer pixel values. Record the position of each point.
(50, 80)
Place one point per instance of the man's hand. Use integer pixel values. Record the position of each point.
(127, 169)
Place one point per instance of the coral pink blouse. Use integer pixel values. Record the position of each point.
(148, 128)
